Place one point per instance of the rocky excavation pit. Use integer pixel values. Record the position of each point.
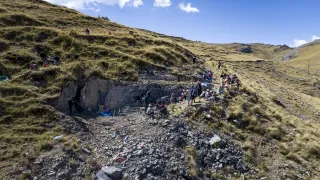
(138, 147)
(134, 145)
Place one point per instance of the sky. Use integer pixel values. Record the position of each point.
(277, 22)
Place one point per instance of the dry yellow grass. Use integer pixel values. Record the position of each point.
(240, 57)
(307, 55)
(295, 126)
(191, 161)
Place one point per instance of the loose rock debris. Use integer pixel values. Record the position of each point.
(137, 146)
(146, 148)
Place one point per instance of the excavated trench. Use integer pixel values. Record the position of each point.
(137, 146)
(111, 94)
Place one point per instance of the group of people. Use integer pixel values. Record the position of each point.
(229, 81)
(208, 77)
(191, 94)
(152, 109)
(209, 94)
(55, 60)
(46, 61)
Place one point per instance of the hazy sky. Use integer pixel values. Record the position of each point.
(291, 22)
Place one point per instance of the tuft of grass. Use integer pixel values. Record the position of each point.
(313, 150)
(191, 161)
(250, 152)
(70, 143)
(276, 132)
(284, 149)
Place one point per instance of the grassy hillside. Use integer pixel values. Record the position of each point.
(279, 104)
(308, 54)
(111, 51)
(279, 116)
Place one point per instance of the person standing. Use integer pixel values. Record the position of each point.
(198, 89)
(210, 74)
(56, 59)
(146, 100)
(172, 99)
(188, 96)
(150, 110)
(219, 65)
(193, 95)
(70, 104)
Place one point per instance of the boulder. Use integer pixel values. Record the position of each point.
(102, 176)
(113, 172)
(216, 141)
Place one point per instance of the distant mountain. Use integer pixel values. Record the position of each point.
(258, 50)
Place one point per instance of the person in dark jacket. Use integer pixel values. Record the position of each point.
(87, 31)
(219, 64)
(56, 59)
(198, 89)
(70, 104)
(43, 57)
(193, 95)
(194, 60)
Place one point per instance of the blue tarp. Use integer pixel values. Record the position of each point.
(108, 114)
